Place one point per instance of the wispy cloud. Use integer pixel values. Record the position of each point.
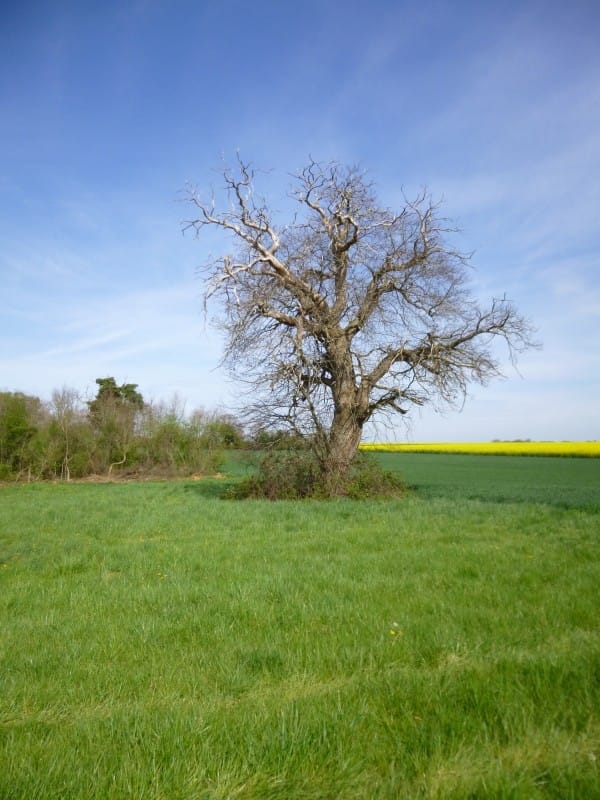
(496, 108)
(157, 338)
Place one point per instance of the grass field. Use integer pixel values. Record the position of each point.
(159, 642)
(562, 482)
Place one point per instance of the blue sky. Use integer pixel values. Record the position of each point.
(109, 110)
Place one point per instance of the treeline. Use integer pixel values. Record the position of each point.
(116, 433)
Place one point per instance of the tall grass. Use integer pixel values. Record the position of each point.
(157, 642)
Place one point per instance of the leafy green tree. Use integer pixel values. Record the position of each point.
(19, 420)
(125, 395)
(223, 430)
(114, 412)
(66, 438)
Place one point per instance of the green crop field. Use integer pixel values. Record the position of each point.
(563, 482)
(157, 641)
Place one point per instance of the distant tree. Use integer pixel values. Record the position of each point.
(170, 441)
(221, 430)
(69, 440)
(348, 312)
(114, 412)
(66, 438)
(20, 416)
(126, 395)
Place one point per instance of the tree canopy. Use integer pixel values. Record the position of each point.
(348, 311)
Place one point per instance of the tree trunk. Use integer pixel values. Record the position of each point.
(117, 463)
(341, 448)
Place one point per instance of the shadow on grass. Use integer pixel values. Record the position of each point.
(215, 488)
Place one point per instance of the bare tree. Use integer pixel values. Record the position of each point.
(66, 411)
(349, 312)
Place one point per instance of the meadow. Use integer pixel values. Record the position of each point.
(158, 641)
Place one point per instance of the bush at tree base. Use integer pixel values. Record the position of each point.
(297, 475)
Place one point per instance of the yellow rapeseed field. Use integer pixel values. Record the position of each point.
(590, 449)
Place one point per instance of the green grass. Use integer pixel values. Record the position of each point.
(158, 642)
(563, 482)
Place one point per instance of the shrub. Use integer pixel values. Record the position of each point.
(281, 476)
(5, 472)
(297, 475)
(368, 480)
